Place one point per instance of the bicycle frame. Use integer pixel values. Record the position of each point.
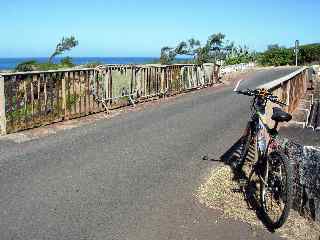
(261, 132)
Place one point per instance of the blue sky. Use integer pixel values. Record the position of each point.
(32, 28)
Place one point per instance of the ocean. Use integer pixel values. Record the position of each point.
(10, 63)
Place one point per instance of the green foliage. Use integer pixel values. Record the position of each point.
(234, 60)
(309, 54)
(48, 66)
(26, 66)
(71, 101)
(273, 46)
(33, 65)
(167, 55)
(276, 56)
(21, 113)
(214, 49)
(67, 61)
(240, 54)
(66, 44)
(93, 64)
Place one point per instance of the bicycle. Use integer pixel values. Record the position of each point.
(272, 166)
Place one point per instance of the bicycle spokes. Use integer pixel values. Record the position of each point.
(274, 192)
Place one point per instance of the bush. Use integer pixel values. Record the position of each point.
(309, 54)
(93, 64)
(27, 66)
(33, 65)
(277, 56)
(66, 62)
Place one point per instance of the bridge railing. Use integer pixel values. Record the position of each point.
(31, 99)
(290, 89)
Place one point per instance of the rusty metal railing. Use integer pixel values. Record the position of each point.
(31, 99)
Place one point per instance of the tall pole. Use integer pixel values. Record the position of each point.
(296, 51)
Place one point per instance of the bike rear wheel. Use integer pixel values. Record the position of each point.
(275, 189)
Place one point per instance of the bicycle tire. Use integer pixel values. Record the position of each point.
(286, 166)
(245, 144)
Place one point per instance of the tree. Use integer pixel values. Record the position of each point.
(240, 54)
(66, 44)
(216, 48)
(215, 45)
(167, 55)
(273, 46)
(190, 48)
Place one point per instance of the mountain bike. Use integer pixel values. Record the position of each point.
(272, 166)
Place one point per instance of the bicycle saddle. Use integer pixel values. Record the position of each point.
(280, 116)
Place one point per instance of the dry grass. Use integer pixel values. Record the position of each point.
(218, 192)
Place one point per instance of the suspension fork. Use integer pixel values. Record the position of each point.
(261, 165)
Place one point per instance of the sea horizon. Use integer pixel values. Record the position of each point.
(9, 63)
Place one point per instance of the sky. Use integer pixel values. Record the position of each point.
(128, 28)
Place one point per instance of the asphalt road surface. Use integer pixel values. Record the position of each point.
(130, 177)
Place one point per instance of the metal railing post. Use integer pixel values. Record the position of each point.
(3, 120)
(64, 100)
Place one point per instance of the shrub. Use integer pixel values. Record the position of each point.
(27, 66)
(309, 54)
(93, 64)
(66, 62)
(33, 65)
(277, 56)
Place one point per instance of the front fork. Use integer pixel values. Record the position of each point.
(261, 166)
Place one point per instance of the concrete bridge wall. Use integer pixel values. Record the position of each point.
(305, 159)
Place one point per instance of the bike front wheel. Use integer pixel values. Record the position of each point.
(246, 141)
(275, 189)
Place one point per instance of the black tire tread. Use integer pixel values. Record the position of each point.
(246, 146)
(286, 211)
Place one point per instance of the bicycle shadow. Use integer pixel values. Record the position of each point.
(250, 190)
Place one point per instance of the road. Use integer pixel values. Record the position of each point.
(130, 177)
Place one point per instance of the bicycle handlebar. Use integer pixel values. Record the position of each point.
(258, 93)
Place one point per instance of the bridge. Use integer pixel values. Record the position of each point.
(134, 175)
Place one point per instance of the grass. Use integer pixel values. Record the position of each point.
(36, 66)
(218, 192)
(72, 100)
(120, 80)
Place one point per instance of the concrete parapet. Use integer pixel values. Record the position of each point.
(306, 178)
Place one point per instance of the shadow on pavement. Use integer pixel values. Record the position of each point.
(250, 189)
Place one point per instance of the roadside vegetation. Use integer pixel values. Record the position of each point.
(66, 44)
(33, 65)
(280, 56)
(217, 49)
